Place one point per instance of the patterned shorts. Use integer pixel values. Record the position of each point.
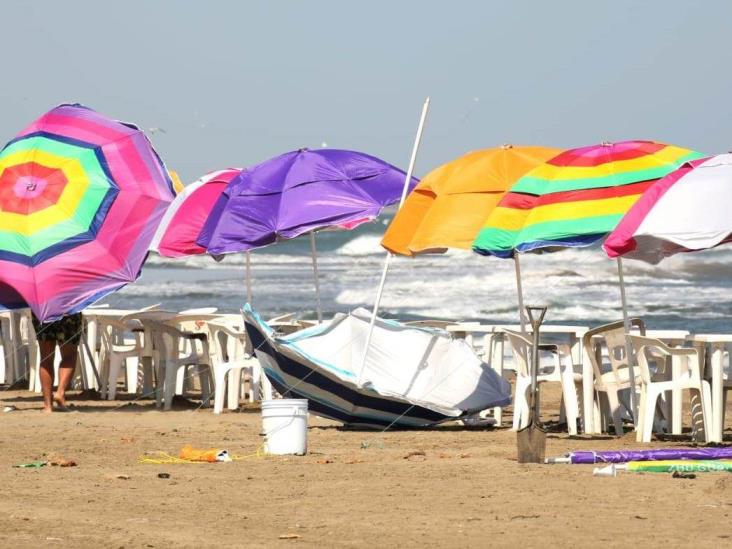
(65, 330)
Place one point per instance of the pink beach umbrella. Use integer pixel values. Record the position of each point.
(688, 210)
(178, 231)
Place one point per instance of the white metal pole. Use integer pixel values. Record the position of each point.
(628, 353)
(314, 253)
(520, 291)
(387, 259)
(248, 263)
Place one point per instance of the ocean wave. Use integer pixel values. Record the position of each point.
(579, 285)
(367, 244)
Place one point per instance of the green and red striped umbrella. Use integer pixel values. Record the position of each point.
(577, 197)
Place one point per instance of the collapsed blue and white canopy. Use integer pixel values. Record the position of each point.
(413, 377)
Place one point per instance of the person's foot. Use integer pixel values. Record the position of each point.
(47, 410)
(60, 401)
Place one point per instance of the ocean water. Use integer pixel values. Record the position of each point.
(580, 286)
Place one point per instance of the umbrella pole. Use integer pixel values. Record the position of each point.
(628, 353)
(314, 253)
(520, 291)
(248, 267)
(387, 259)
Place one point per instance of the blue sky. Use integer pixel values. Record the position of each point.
(234, 83)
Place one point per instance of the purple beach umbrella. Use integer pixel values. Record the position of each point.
(300, 192)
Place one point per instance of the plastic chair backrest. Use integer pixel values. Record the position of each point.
(521, 349)
(645, 348)
(230, 343)
(614, 337)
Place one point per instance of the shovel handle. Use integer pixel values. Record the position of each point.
(535, 322)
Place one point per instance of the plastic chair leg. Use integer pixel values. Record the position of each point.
(233, 389)
(147, 375)
(267, 392)
(169, 386)
(180, 377)
(616, 411)
(569, 395)
(255, 383)
(115, 365)
(104, 375)
(219, 389)
(132, 371)
(649, 408)
(706, 395)
(206, 382)
(520, 403)
(641, 413)
(160, 369)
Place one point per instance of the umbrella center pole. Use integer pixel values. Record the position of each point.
(248, 267)
(520, 291)
(628, 351)
(405, 190)
(314, 253)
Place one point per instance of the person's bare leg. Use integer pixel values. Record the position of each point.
(48, 351)
(65, 372)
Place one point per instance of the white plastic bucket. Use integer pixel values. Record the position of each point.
(285, 426)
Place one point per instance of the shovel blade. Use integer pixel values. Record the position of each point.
(531, 444)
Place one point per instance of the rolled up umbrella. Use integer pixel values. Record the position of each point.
(669, 466)
(656, 454)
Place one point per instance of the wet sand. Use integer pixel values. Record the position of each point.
(445, 487)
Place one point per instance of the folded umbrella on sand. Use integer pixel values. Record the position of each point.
(413, 377)
(81, 196)
(298, 193)
(655, 454)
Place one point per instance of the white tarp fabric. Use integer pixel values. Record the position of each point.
(423, 367)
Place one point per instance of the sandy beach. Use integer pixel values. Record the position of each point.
(448, 486)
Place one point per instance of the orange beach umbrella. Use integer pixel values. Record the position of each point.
(449, 206)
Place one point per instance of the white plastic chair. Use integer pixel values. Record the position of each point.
(690, 379)
(612, 376)
(233, 357)
(115, 353)
(169, 361)
(561, 370)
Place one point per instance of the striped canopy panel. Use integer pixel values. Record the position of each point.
(80, 198)
(577, 197)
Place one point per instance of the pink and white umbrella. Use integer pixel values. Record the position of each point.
(181, 226)
(688, 210)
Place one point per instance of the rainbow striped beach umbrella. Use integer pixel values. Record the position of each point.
(577, 197)
(81, 196)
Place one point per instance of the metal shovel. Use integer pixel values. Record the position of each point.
(532, 438)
